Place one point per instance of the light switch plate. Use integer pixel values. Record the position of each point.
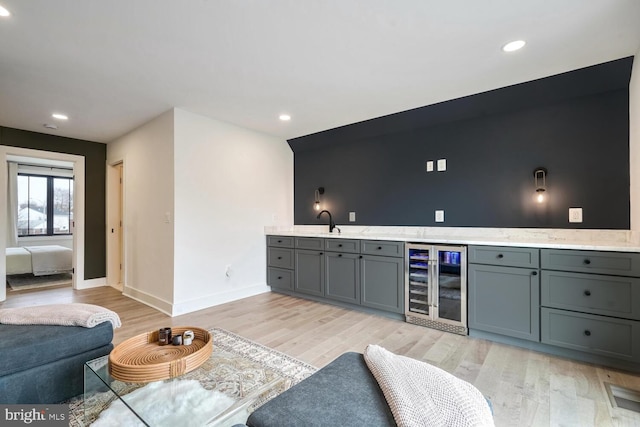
(352, 217)
(430, 166)
(439, 216)
(575, 214)
(442, 165)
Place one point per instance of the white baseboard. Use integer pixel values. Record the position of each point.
(91, 283)
(148, 299)
(206, 301)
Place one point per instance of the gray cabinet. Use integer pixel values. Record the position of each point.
(504, 255)
(280, 262)
(505, 300)
(611, 263)
(591, 302)
(342, 281)
(504, 291)
(381, 283)
(599, 335)
(365, 273)
(309, 272)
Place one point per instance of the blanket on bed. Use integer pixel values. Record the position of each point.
(50, 259)
(76, 314)
(420, 394)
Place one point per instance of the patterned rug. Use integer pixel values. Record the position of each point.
(238, 366)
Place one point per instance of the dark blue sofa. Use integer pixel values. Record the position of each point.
(44, 364)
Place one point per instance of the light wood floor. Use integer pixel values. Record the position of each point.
(526, 388)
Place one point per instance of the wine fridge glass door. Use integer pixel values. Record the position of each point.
(420, 278)
(449, 273)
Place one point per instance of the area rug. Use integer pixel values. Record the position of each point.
(21, 282)
(238, 366)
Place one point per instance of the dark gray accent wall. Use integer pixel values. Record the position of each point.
(575, 124)
(95, 155)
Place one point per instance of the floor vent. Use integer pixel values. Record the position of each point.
(622, 397)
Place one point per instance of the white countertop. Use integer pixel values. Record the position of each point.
(602, 240)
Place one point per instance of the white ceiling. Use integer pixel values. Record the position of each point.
(113, 65)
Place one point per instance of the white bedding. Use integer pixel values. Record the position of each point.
(18, 261)
(39, 260)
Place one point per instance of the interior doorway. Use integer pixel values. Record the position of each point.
(76, 220)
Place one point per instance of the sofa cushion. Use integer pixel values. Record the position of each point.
(342, 393)
(26, 346)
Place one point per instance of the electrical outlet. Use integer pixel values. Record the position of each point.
(430, 166)
(439, 216)
(352, 217)
(575, 214)
(442, 165)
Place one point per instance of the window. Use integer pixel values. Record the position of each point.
(45, 205)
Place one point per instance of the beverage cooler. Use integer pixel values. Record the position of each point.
(436, 286)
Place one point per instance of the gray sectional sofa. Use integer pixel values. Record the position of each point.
(44, 364)
(342, 393)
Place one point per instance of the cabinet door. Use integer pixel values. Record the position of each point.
(342, 277)
(505, 300)
(309, 272)
(381, 281)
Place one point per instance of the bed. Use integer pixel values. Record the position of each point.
(39, 260)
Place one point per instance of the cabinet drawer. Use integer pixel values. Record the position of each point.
(383, 248)
(282, 258)
(280, 278)
(507, 256)
(342, 245)
(309, 243)
(592, 293)
(616, 263)
(280, 241)
(600, 335)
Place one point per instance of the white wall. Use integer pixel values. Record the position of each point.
(147, 156)
(229, 183)
(634, 143)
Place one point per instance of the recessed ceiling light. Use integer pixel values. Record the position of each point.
(4, 12)
(60, 116)
(513, 46)
(285, 117)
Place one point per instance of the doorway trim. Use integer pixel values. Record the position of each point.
(115, 218)
(78, 209)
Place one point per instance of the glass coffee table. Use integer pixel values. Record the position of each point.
(222, 391)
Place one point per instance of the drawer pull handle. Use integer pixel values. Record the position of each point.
(534, 273)
(587, 292)
(379, 248)
(279, 257)
(279, 241)
(500, 256)
(340, 245)
(339, 255)
(587, 333)
(320, 253)
(279, 277)
(587, 261)
(360, 256)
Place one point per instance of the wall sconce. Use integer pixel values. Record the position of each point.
(540, 180)
(319, 191)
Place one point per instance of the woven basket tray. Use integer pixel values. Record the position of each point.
(142, 359)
